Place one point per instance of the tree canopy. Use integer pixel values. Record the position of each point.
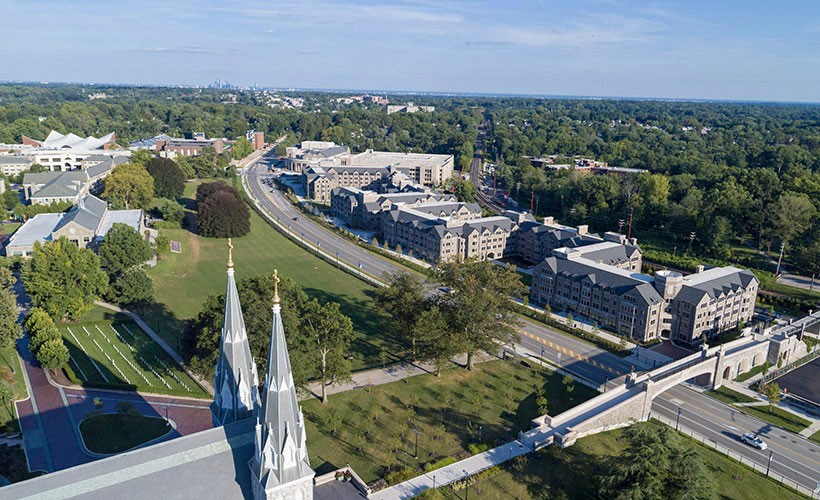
(129, 186)
(64, 279)
(221, 213)
(169, 181)
(132, 286)
(122, 248)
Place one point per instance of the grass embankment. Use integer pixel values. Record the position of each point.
(108, 350)
(116, 432)
(775, 416)
(11, 371)
(372, 428)
(573, 473)
(183, 281)
(815, 437)
(751, 373)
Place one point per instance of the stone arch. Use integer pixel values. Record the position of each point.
(727, 373)
(743, 367)
(491, 256)
(759, 359)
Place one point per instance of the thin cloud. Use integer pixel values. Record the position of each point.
(593, 30)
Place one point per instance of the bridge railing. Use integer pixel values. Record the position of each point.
(789, 367)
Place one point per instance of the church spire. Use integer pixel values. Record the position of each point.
(236, 381)
(280, 467)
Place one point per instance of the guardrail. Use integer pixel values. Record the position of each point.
(757, 467)
(789, 367)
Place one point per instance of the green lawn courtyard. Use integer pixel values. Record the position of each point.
(573, 473)
(11, 371)
(108, 433)
(113, 352)
(372, 429)
(183, 281)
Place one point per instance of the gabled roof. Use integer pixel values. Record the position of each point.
(56, 184)
(14, 160)
(88, 213)
(714, 283)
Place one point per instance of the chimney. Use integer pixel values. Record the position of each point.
(699, 269)
(549, 221)
(583, 229)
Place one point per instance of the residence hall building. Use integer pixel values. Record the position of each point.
(326, 166)
(257, 449)
(643, 307)
(86, 224)
(362, 209)
(45, 188)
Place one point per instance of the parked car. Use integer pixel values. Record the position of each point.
(754, 441)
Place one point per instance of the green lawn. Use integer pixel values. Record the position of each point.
(115, 353)
(372, 428)
(779, 417)
(9, 228)
(815, 437)
(573, 473)
(116, 432)
(749, 374)
(11, 371)
(183, 281)
(729, 396)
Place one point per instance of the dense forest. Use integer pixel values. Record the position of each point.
(722, 174)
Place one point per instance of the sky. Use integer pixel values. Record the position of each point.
(716, 49)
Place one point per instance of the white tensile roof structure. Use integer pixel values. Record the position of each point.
(56, 140)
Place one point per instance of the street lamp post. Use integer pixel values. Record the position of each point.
(479, 433)
(542, 356)
(417, 443)
(769, 465)
(466, 485)
(677, 421)
(167, 422)
(434, 481)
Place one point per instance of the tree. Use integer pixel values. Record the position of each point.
(6, 394)
(122, 248)
(480, 315)
(53, 354)
(129, 186)
(169, 181)
(221, 213)
(132, 286)
(569, 385)
(141, 157)
(464, 190)
(64, 279)
(773, 395)
(541, 403)
(10, 330)
(6, 277)
(435, 340)
(330, 332)
(162, 245)
(40, 327)
(11, 199)
(171, 211)
(792, 216)
(241, 148)
(403, 300)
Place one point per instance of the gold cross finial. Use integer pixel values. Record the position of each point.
(230, 253)
(275, 286)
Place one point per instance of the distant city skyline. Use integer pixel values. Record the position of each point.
(729, 50)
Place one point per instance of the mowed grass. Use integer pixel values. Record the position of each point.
(115, 432)
(183, 281)
(119, 355)
(372, 428)
(778, 417)
(573, 473)
(729, 396)
(11, 372)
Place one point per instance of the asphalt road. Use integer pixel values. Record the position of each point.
(795, 457)
(704, 415)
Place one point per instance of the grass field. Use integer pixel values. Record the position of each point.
(815, 437)
(572, 473)
(116, 353)
(372, 428)
(115, 432)
(729, 396)
(183, 281)
(9, 228)
(777, 416)
(11, 371)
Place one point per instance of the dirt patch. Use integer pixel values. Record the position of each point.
(193, 255)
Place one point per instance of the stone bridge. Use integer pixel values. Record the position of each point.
(632, 401)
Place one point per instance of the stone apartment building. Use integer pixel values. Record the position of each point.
(362, 209)
(326, 165)
(45, 188)
(643, 307)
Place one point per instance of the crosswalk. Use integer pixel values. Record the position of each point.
(569, 352)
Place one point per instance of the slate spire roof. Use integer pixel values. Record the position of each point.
(281, 453)
(236, 381)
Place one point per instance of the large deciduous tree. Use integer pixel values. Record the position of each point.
(132, 286)
(53, 354)
(169, 181)
(480, 315)
(64, 279)
(792, 216)
(9, 328)
(123, 247)
(328, 335)
(129, 186)
(221, 213)
(403, 300)
(241, 148)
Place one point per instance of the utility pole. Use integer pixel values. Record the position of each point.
(780, 259)
(629, 233)
(532, 200)
(621, 223)
(692, 237)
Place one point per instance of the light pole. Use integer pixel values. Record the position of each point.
(479, 433)
(466, 485)
(542, 356)
(434, 481)
(417, 443)
(769, 465)
(337, 258)
(167, 422)
(780, 259)
(677, 422)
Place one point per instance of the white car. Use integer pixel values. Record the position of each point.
(754, 441)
